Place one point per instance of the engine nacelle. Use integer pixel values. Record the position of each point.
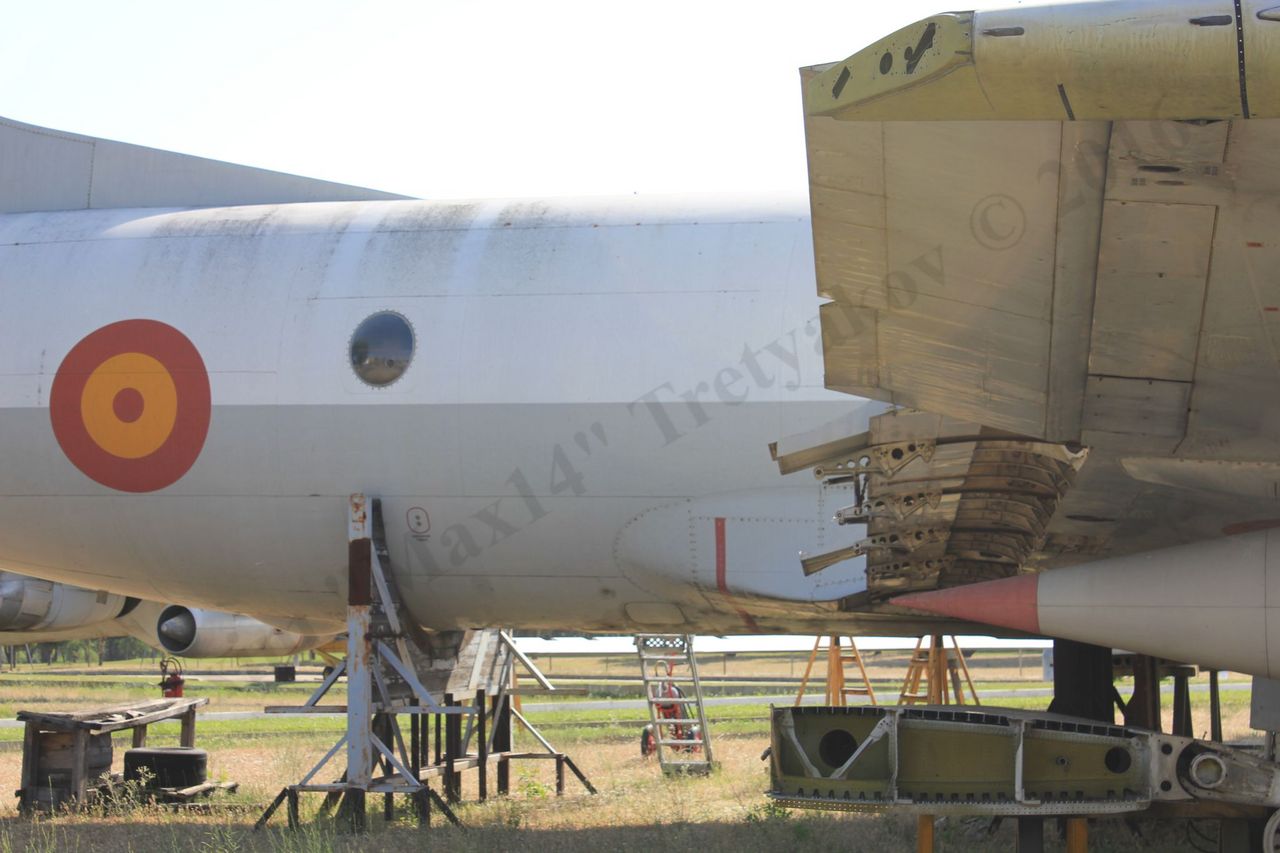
(29, 604)
(196, 633)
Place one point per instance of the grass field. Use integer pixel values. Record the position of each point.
(637, 808)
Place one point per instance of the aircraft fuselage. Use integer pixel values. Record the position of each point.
(579, 441)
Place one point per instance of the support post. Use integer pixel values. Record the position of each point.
(359, 679)
(422, 805)
(924, 833)
(1077, 835)
(1143, 710)
(452, 745)
(139, 736)
(187, 737)
(1215, 708)
(482, 769)
(30, 764)
(1031, 829)
(415, 747)
(80, 744)
(1181, 705)
(1082, 681)
(835, 672)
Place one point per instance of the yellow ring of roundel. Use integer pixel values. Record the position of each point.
(152, 429)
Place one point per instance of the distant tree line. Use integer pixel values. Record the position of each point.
(94, 651)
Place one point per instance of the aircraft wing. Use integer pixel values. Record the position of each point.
(1054, 229)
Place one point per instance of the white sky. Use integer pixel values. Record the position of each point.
(446, 99)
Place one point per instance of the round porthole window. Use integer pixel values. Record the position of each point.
(382, 348)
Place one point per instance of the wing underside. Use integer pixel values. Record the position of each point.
(1087, 304)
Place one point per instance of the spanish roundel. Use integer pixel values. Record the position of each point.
(130, 405)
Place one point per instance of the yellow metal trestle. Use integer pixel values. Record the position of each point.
(840, 687)
(937, 675)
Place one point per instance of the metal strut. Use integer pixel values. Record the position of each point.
(381, 684)
(386, 667)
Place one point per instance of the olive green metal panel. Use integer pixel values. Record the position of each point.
(958, 761)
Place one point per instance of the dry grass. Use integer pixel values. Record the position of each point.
(638, 809)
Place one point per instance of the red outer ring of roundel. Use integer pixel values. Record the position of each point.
(173, 459)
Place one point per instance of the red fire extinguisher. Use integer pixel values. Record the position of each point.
(171, 678)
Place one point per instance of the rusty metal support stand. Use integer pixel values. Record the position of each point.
(381, 685)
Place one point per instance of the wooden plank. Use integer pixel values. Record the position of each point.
(437, 770)
(110, 710)
(193, 791)
(187, 737)
(30, 761)
(155, 716)
(101, 720)
(79, 747)
(139, 736)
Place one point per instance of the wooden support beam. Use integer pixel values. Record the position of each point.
(188, 736)
(79, 746)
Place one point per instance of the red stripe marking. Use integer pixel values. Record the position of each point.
(722, 582)
(1253, 245)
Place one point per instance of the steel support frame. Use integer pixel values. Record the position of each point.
(377, 760)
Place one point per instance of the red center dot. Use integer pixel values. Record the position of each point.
(128, 405)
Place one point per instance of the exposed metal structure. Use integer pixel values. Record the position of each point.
(944, 502)
(388, 668)
(378, 658)
(943, 760)
(674, 695)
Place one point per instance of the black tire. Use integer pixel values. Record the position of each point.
(167, 767)
(648, 742)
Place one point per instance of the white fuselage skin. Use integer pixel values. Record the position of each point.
(594, 384)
